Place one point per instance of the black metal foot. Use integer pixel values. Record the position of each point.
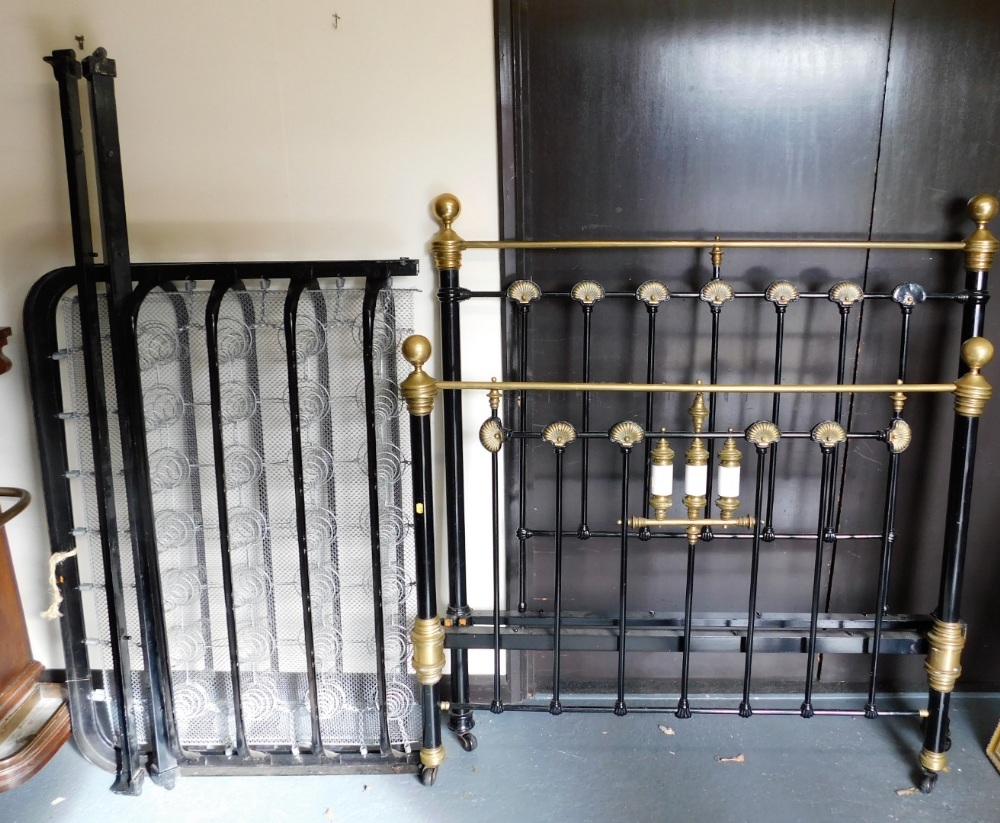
(468, 741)
(870, 712)
(928, 781)
(807, 710)
(555, 707)
(683, 710)
(428, 775)
(620, 710)
(496, 707)
(745, 710)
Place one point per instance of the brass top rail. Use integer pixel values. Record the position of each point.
(691, 388)
(914, 245)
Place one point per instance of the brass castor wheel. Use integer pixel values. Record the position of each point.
(428, 775)
(928, 781)
(468, 741)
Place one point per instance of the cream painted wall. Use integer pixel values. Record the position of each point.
(250, 129)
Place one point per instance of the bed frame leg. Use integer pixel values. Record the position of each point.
(419, 391)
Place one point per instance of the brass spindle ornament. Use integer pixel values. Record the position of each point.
(728, 480)
(696, 470)
(661, 479)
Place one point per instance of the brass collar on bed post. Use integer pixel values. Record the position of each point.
(419, 389)
(981, 245)
(972, 390)
(446, 245)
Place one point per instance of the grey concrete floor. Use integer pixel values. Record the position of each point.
(533, 767)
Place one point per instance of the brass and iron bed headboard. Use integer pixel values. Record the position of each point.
(648, 439)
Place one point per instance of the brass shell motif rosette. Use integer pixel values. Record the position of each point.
(899, 436)
(428, 649)
(523, 292)
(560, 434)
(828, 434)
(716, 292)
(782, 292)
(626, 434)
(491, 435)
(846, 293)
(588, 292)
(763, 433)
(652, 293)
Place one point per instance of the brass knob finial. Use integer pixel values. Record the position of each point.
(447, 207)
(983, 208)
(977, 351)
(416, 350)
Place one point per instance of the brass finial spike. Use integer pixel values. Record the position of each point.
(717, 254)
(446, 245)
(698, 411)
(495, 395)
(898, 399)
(981, 245)
(419, 389)
(972, 390)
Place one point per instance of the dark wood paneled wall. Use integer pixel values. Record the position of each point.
(642, 118)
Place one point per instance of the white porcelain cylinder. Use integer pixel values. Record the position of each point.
(661, 480)
(696, 480)
(729, 481)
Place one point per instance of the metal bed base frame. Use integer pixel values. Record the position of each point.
(266, 661)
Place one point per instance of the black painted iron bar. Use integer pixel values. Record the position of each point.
(497, 706)
(373, 286)
(426, 571)
(772, 457)
(651, 310)
(713, 379)
(100, 72)
(838, 399)
(584, 530)
(522, 459)
(904, 341)
(724, 535)
(689, 435)
(882, 597)
(828, 458)
(745, 708)
(212, 309)
(683, 709)
(295, 289)
(67, 73)
(569, 708)
(454, 466)
(554, 705)
(620, 708)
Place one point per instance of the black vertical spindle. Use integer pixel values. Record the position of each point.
(745, 708)
(555, 706)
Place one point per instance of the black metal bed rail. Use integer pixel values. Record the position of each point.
(243, 439)
(811, 633)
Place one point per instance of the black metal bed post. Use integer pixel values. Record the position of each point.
(419, 390)
(68, 72)
(100, 73)
(947, 636)
(447, 249)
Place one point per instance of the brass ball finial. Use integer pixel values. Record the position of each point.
(446, 209)
(416, 350)
(977, 351)
(983, 208)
